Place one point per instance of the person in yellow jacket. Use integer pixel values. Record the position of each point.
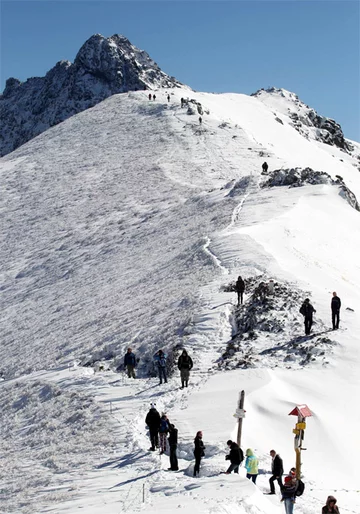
(251, 465)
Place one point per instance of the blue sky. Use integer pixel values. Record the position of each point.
(309, 47)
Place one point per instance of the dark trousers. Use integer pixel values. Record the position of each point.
(162, 374)
(251, 477)
(335, 318)
(240, 297)
(173, 458)
(154, 437)
(308, 324)
(271, 482)
(233, 467)
(197, 465)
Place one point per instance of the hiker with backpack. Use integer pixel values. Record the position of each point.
(160, 361)
(235, 457)
(163, 431)
(330, 507)
(288, 494)
(199, 452)
(277, 470)
(185, 364)
(240, 288)
(172, 440)
(130, 363)
(307, 310)
(153, 422)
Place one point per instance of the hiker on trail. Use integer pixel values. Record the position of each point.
(130, 363)
(265, 167)
(235, 457)
(330, 506)
(307, 311)
(240, 288)
(277, 470)
(182, 102)
(173, 439)
(185, 364)
(251, 465)
(154, 97)
(163, 430)
(153, 422)
(335, 310)
(288, 495)
(199, 452)
(160, 359)
(149, 96)
(200, 120)
(168, 98)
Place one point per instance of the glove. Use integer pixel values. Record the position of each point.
(227, 457)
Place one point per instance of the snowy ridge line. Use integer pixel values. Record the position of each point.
(214, 257)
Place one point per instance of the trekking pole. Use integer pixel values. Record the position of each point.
(143, 493)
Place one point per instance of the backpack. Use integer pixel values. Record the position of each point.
(300, 488)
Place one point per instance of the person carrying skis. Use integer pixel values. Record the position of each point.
(288, 495)
(251, 465)
(199, 452)
(277, 470)
(240, 288)
(153, 422)
(185, 364)
(265, 167)
(173, 439)
(235, 457)
(330, 506)
(130, 363)
(160, 360)
(163, 430)
(335, 310)
(307, 311)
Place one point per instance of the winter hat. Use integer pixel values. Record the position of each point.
(288, 479)
(153, 405)
(229, 442)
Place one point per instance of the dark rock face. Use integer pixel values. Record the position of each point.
(102, 67)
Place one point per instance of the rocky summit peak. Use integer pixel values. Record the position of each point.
(102, 67)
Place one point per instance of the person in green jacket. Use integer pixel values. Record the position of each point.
(251, 465)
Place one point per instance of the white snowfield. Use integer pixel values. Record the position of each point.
(120, 227)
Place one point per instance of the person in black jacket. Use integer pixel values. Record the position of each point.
(335, 310)
(265, 167)
(236, 456)
(240, 288)
(198, 452)
(173, 439)
(185, 364)
(130, 363)
(307, 311)
(153, 422)
(277, 470)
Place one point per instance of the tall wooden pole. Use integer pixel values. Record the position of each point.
(241, 406)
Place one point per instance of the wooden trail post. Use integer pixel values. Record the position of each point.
(302, 412)
(240, 414)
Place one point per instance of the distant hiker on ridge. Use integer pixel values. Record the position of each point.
(154, 97)
(200, 120)
(173, 439)
(277, 470)
(240, 288)
(335, 310)
(235, 457)
(130, 363)
(168, 98)
(199, 452)
(149, 96)
(265, 167)
(307, 311)
(153, 422)
(160, 360)
(185, 364)
(330, 506)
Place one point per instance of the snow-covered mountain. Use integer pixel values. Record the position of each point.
(127, 225)
(102, 67)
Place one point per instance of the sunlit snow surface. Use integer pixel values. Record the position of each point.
(120, 226)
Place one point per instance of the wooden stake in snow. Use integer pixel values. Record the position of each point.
(240, 414)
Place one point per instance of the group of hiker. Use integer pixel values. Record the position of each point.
(306, 309)
(185, 364)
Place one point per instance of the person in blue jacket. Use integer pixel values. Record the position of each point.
(160, 360)
(130, 363)
(251, 465)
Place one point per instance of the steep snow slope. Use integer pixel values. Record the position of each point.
(122, 225)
